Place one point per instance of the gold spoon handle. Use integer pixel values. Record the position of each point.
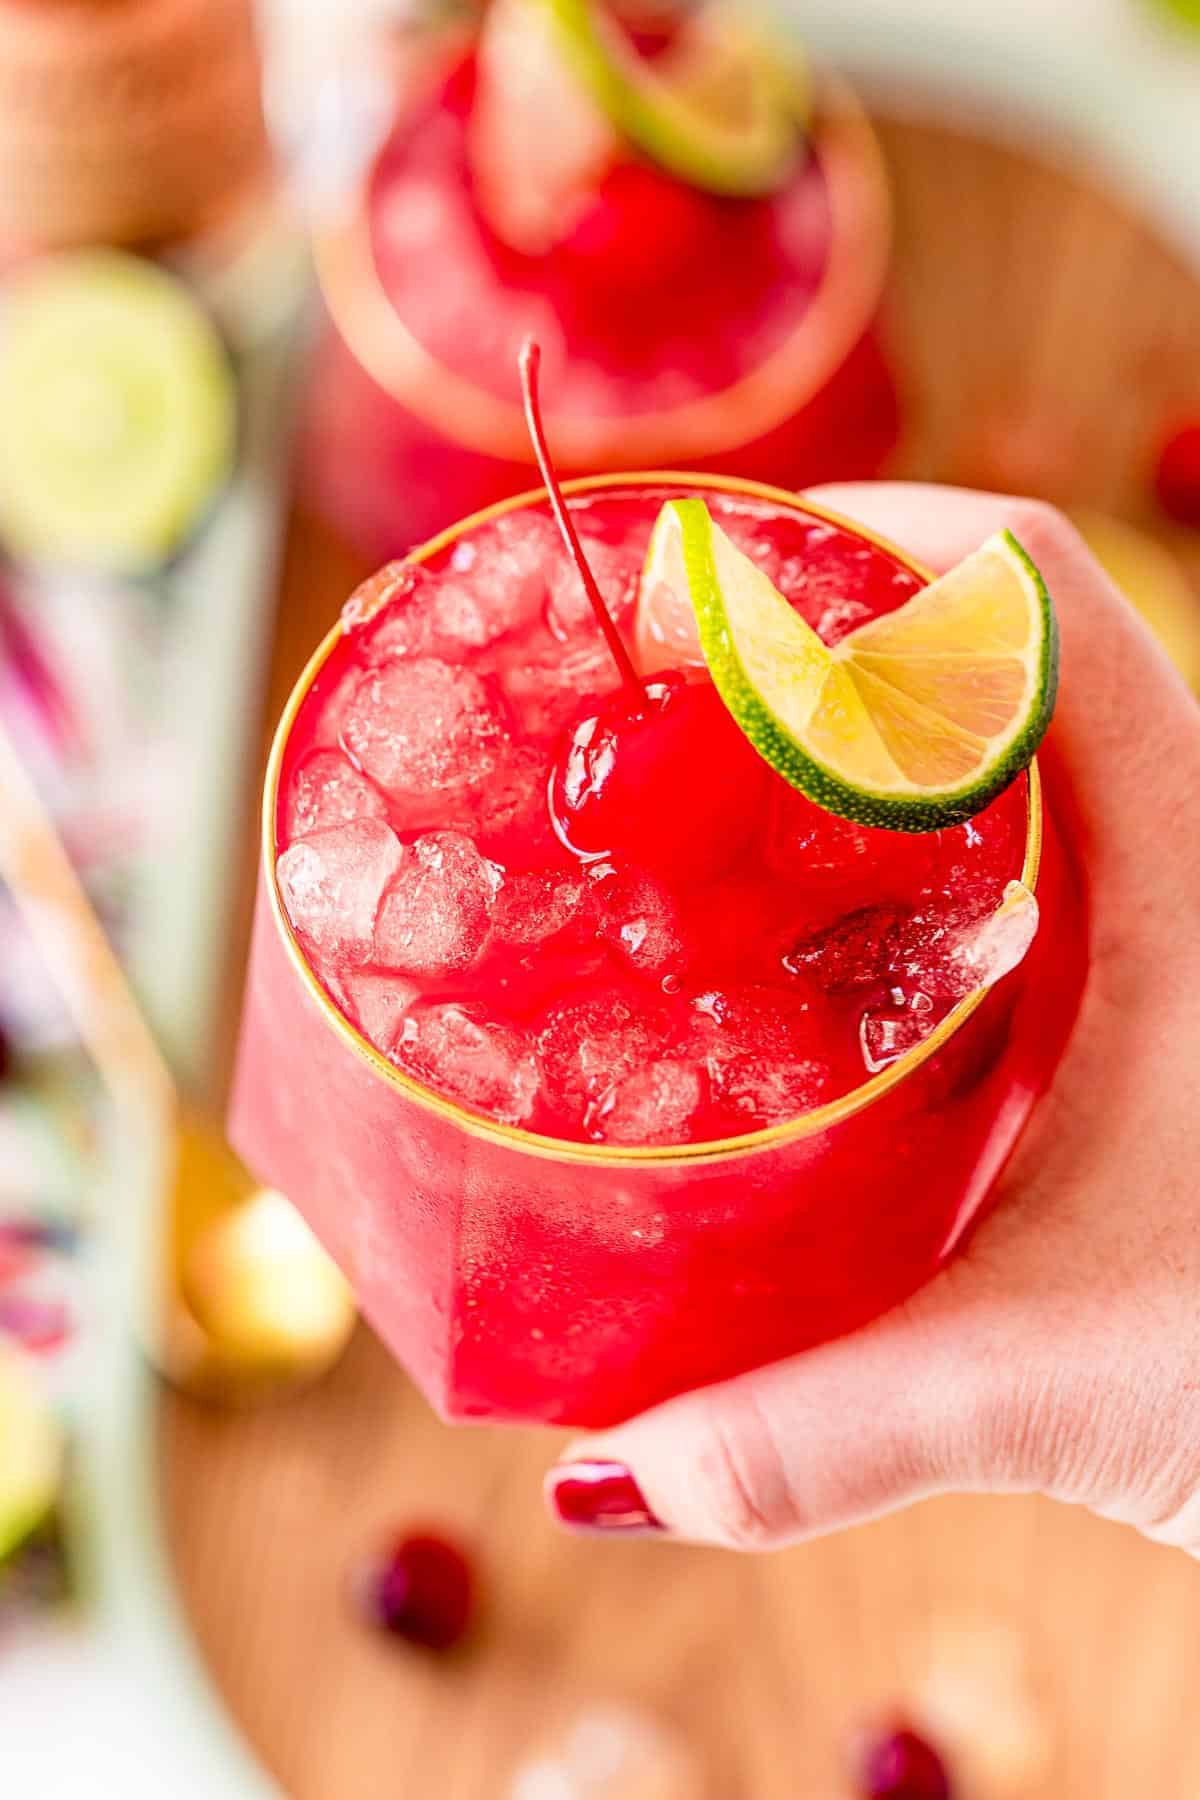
(77, 955)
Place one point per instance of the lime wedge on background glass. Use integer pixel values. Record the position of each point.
(30, 1454)
(913, 721)
(720, 108)
(118, 413)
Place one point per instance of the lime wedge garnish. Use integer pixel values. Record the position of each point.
(915, 720)
(30, 1454)
(118, 413)
(720, 109)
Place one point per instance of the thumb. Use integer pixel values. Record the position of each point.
(913, 1405)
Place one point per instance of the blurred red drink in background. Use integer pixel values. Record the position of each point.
(681, 329)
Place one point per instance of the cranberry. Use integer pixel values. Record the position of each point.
(1177, 474)
(902, 1766)
(671, 782)
(637, 916)
(642, 228)
(421, 1590)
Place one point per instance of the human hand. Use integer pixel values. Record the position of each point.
(1060, 1352)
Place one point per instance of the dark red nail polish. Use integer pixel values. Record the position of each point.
(599, 1496)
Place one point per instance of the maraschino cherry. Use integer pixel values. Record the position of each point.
(662, 774)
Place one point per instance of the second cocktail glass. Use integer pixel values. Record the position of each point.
(683, 328)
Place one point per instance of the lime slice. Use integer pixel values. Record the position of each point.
(1154, 582)
(720, 109)
(118, 413)
(916, 719)
(30, 1454)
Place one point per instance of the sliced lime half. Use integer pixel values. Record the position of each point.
(118, 413)
(720, 109)
(30, 1454)
(912, 722)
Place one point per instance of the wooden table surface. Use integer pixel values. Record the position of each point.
(1043, 334)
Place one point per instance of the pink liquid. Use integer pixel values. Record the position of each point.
(660, 301)
(714, 955)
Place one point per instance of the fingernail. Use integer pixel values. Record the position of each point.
(599, 1496)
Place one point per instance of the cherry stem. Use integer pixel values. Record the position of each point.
(529, 362)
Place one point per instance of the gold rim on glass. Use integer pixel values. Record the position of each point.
(715, 425)
(566, 1149)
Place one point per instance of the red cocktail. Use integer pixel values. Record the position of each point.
(589, 1127)
(682, 328)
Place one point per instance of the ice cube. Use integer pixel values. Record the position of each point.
(820, 587)
(450, 614)
(887, 1033)
(568, 609)
(436, 913)
(332, 884)
(588, 1045)
(395, 614)
(550, 692)
(758, 1044)
(539, 904)
(750, 533)
(512, 814)
(654, 1105)
(637, 916)
(462, 617)
(768, 1090)
(426, 732)
(992, 949)
(495, 584)
(469, 605)
(326, 791)
(459, 1051)
(840, 617)
(942, 954)
(751, 1019)
(376, 1002)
